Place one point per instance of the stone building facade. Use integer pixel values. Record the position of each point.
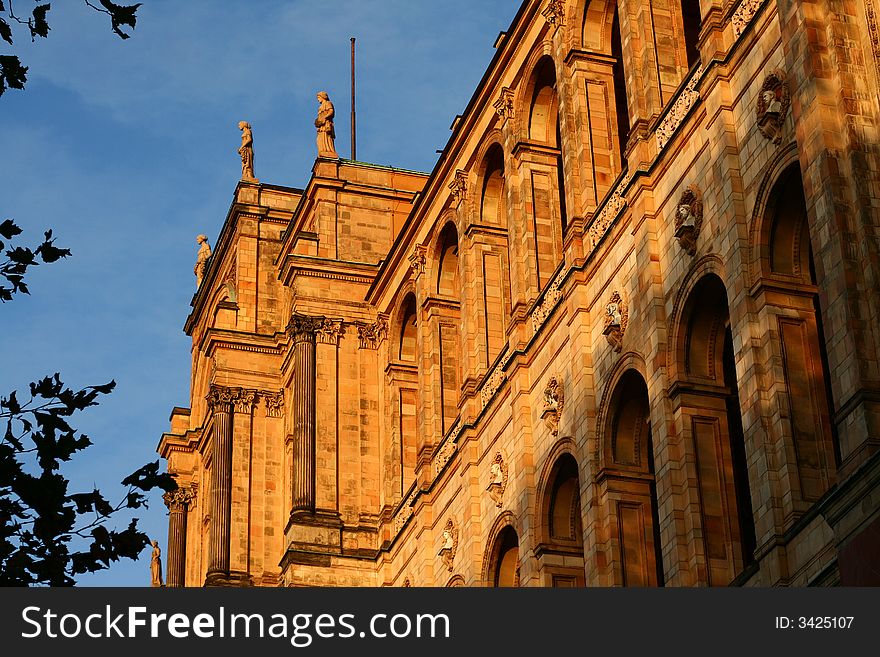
(625, 333)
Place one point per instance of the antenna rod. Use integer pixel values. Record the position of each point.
(353, 113)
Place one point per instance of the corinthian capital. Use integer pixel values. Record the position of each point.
(179, 499)
(302, 328)
(220, 397)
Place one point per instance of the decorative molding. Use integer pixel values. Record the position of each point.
(774, 101)
(179, 499)
(497, 479)
(679, 110)
(459, 187)
(370, 336)
(492, 384)
(616, 319)
(554, 12)
(504, 105)
(744, 15)
(274, 403)
(603, 220)
(404, 513)
(550, 300)
(689, 219)
(554, 401)
(446, 451)
(873, 31)
(330, 331)
(450, 544)
(418, 259)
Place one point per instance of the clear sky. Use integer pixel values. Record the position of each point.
(128, 150)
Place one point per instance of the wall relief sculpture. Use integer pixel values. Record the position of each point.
(689, 219)
(449, 544)
(774, 102)
(616, 318)
(554, 400)
(497, 479)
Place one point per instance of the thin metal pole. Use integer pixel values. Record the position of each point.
(353, 113)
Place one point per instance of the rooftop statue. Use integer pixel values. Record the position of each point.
(156, 565)
(201, 259)
(324, 124)
(247, 152)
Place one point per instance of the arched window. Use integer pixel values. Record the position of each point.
(546, 174)
(506, 559)
(561, 553)
(408, 330)
(564, 516)
(620, 100)
(492, 202)
(447, 276)
(629, 462)
(690, 14)
(789, 264)
(714, 416)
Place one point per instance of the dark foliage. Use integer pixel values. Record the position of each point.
(12, 74)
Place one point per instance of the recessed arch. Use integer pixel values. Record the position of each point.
(493, 193)
(408, 336)
(447, 261)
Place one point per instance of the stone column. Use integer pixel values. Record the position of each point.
(178, 502)
(220, 401)
(302, 330)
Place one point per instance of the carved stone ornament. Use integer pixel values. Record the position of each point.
(245, 400)
(330, 331)
(179, 499)
(201, 258)
(417, 260)
(554, 12)
(497, 479)
(774, 102)
(274, 403)
(744, 15)
(302, 328)
(459, 186)
(616, 318)
(554, 401)
(449, 544)
(689, 219)
(504, 105)
(220, 397)
(370, 336)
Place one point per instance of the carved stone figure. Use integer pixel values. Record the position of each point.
(449, 545)
(246, 151)
(324, 124)
(774, 101)
(497, 479)
(156, 565)
(554, 400)
(201, 259)
(689, 219)
(616, 317)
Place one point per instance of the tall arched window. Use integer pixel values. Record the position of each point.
(547, 178)
(492, 210)
(712, 411)
(620, 100)
(447, 275)
(692, 20)
(408, 330)
(494, 258)
(788, 263)
(629, 462)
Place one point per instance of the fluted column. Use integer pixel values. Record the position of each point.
(178, 502)
(220, 401)
(303, 329)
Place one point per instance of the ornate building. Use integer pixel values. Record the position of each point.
(624, 333)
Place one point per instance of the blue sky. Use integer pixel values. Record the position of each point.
(127, 149)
